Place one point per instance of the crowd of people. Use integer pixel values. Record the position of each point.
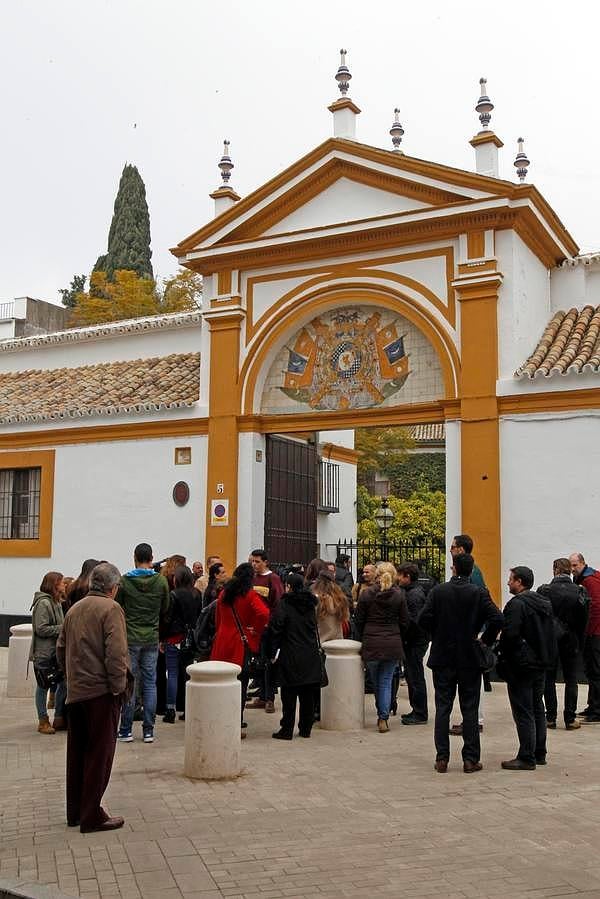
(108, 649)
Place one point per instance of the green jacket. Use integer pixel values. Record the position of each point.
(477, 577)
(144, 599)
(47, 619)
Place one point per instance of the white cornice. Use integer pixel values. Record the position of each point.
(108, 329)
(106, 412)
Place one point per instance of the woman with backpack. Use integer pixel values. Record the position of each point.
(186, 604)
(295, 640)
(380, 618)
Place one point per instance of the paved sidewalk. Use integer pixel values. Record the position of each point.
(339, 815)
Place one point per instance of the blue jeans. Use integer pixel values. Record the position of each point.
(41, 698)
(381, 674)
(172, 663)
(142, 661)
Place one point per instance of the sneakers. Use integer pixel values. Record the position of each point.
(411, 718)
(169, 716)
(149, 736)
(124, 737)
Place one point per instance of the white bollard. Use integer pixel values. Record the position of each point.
(343, 701)
(213, 700)
(18, 684)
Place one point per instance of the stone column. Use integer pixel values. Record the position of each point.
(213, 698)
(18, 685)
(343, 701)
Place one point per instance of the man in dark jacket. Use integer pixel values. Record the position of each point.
(570, 608)
(528, 649)
(589, 578)
(343, 575)
(416, 642)
(454, 614)
(144, 597)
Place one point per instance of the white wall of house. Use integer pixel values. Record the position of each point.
(334, 526)
(252, 469)
(550, 489)
(107, 498)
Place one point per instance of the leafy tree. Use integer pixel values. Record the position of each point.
(129, 235)
(69, 294)
(378, 448)
(417, 470)
(129, 296)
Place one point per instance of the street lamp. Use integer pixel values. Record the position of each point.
(383, 518)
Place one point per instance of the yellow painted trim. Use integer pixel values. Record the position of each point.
(224, 282)
(486, 137)
(470, 268)
(410, 414)
(366, 267)
(42, 547)
(334, 452)
(363, 294)
(475, 244)
(563, 401)
(343, 103)
(147, 430)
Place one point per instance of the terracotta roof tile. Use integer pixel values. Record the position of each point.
(427, 433)
(140, 385)
(570, 343)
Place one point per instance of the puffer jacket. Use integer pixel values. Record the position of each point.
(47, 619)
(380, 617)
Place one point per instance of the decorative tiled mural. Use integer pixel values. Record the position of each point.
(353, 358)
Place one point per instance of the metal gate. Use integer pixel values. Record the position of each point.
(290, 500)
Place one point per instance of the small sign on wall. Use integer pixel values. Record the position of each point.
(219, 512)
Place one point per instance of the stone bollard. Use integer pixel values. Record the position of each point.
(343, 701)
(213, 698)
(19, 685)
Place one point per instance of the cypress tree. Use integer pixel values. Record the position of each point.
(129, 235)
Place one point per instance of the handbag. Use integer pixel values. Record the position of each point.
(254, 664)
(322, 657)
(486, 656)
(47, 672)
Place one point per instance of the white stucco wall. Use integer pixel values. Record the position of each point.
(107, 498)
(550, 490)
(575, 286)
(251, 494)
(341, 525)
(524, 302)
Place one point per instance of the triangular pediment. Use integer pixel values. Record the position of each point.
(340, 181)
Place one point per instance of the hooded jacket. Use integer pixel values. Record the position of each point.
(528, 640)
(144, 597)
(570, 604)
(344, 579)
(590, 579)
(47, 619)
(293, 631)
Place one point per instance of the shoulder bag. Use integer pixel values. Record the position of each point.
(322, 657)
(254, 664)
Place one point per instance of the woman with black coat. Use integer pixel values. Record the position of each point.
(186, 604)
(295, 642)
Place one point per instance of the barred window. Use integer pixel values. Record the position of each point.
(20, 503)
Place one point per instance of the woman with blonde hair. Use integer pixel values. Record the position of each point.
(380, 618)
(332, 607)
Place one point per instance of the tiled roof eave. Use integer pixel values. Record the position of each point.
(107, 330)
(100, 412)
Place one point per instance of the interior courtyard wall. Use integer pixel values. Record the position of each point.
(550, 490)
(107, 498)
(341, 525)
(252, 473)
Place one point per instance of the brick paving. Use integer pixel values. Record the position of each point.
(340, 815)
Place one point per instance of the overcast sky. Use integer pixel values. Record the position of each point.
(88, 85)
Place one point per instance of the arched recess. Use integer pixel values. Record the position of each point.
(264, 349)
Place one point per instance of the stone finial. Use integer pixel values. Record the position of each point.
(484, 105)
(226, 165)
(343, 76)
(397, 131)
(521, 162)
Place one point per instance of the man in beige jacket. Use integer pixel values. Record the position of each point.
(92, 651)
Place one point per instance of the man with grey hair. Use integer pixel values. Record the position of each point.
(92, 651)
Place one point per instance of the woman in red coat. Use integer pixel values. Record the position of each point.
(252, 615)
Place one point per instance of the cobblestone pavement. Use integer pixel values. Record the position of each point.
(360, 814)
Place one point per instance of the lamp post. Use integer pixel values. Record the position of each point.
(384, 517)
